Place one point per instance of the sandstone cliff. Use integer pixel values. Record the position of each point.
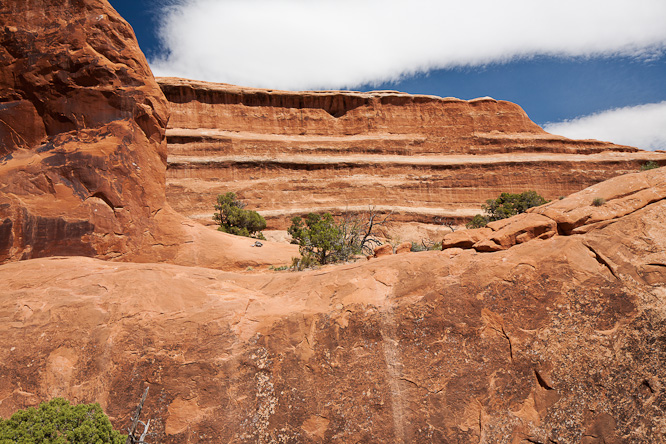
(83, 153)
(426, 158)
(555, 340)
(549, 328)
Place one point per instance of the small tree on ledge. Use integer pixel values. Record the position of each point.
(506, 205)
(233, 219)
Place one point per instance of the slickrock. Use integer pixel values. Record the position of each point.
(427, 159)
(579, 213)
(550, 340)
(556, 337)
(82, 145)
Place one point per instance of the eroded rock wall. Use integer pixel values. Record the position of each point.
(82, 144)
(424, 157)
(550, 340)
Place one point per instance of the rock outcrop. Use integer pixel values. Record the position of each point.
(427, 159)
(82, 145)
(558, 336)
(550, 340)
(596, 206)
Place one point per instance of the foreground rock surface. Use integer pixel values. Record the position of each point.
(82, 145)
(550, 340)
(427, 159)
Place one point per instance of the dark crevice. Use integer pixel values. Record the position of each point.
(106, 200)
(542, 382)
(647, 385)
(599, 258)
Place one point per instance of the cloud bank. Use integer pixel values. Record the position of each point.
(642, 126)
(312, 44)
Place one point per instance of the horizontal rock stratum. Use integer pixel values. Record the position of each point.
(424, 157)
(546, 327)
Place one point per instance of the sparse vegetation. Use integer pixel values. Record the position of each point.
(478, 221)
(58, 422)
(650, 165)
(322, 240)
(426, 245)
(506, 205)
(233, 219)
(598, 201)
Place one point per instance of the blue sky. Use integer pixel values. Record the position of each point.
(583, 69)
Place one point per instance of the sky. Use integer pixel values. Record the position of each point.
(579, 68)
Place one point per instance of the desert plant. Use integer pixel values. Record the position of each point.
(506, 205)
(233, 219)
(598, 201)
(650, 165)
(478, 221)
(58, 422)
(322, 240)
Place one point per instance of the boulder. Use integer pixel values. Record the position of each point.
(383, 250)
(465, 238)
(404, 247)
(516, 230)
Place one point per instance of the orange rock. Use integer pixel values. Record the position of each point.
(493, 347)
(516, 230)
(404, 247)
(383, 250)
(425, 158)
(82, 125)
(465, 238)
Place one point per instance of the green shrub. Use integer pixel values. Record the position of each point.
(598, 201)
(233, 219)
(477, 221)
(303, 262)
(319, 238)
(651, 165)
(58, 422)
(508, 204)
(322, 240)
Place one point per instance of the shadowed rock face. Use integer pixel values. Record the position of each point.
(550, 340)
(82, 145)
(425, 158)
(82, 131)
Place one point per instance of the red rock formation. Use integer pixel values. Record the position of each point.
(556, 339)
(82, 125)
(550, 340)
(422, 157)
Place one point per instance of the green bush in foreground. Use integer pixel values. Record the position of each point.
(58, 422)
(506, 205)
(233, 219)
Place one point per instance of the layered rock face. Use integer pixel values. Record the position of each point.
(550, 340)
(423, 157)
(82, 143)
(548, 327)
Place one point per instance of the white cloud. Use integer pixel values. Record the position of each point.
(303, 44)
(642, 126)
